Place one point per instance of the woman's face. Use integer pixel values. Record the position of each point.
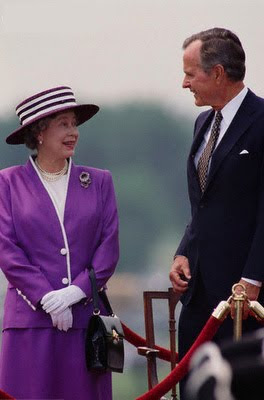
(59, 138)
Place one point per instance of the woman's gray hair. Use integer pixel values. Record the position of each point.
(33, 130)
(221, 46)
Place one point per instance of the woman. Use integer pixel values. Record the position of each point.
(57, 218)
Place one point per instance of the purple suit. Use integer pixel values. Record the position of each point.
(39, 254)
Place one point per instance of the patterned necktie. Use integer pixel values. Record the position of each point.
(202, 167)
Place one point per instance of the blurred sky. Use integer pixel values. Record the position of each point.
(111, 51)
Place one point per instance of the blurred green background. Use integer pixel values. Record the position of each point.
(145, 147)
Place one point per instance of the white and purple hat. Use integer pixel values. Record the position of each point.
(47, 103)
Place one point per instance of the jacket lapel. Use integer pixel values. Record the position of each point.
(244, 117)
(201, 127)
(71, 203)
(37, 187)
(202, 124)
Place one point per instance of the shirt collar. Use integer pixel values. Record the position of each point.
(231, 108)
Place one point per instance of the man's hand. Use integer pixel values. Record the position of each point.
(180, 274)
(252, 292)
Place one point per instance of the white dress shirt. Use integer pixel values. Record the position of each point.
(58, 191)
(228, 112)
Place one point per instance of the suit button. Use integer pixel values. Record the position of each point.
(63, 251)
(65, 281)
(201, 205)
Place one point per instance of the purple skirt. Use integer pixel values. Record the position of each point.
(49, 364)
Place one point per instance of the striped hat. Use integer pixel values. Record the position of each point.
(47, 103)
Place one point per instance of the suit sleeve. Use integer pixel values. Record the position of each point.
(25, 277)
(182, 249)
(106, 255)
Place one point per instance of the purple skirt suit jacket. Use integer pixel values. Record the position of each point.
(40, 253)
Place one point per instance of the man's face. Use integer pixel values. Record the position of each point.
(201, 84)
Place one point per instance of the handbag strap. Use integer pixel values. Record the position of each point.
(102, 294)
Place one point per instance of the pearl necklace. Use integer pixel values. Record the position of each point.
(52, 176)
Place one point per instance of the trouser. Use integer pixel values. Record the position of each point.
(193, 318)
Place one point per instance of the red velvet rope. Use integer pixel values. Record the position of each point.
(5, 396)
(181, 369)
(138, 341)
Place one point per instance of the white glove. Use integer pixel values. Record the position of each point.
(62, 321)
(58, 300)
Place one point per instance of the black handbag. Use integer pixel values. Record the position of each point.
(104, 343)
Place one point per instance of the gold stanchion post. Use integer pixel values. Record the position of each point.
(239, 297)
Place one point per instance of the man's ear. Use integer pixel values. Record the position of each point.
(218, 72)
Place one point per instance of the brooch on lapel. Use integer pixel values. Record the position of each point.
(85, 179)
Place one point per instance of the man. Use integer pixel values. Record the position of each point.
(224, 242)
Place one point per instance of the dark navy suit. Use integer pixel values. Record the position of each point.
(225, 238)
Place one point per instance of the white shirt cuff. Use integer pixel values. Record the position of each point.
(256, 283)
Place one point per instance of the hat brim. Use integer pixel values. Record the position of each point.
(83, 113)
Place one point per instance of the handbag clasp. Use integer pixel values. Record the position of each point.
(115, 335)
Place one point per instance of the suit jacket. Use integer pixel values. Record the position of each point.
(40, 253)
(225, 238)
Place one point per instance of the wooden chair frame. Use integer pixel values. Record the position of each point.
(149, 351)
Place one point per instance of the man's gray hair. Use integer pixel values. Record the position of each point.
(221, 46)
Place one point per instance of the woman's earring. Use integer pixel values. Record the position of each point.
(40, 142)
